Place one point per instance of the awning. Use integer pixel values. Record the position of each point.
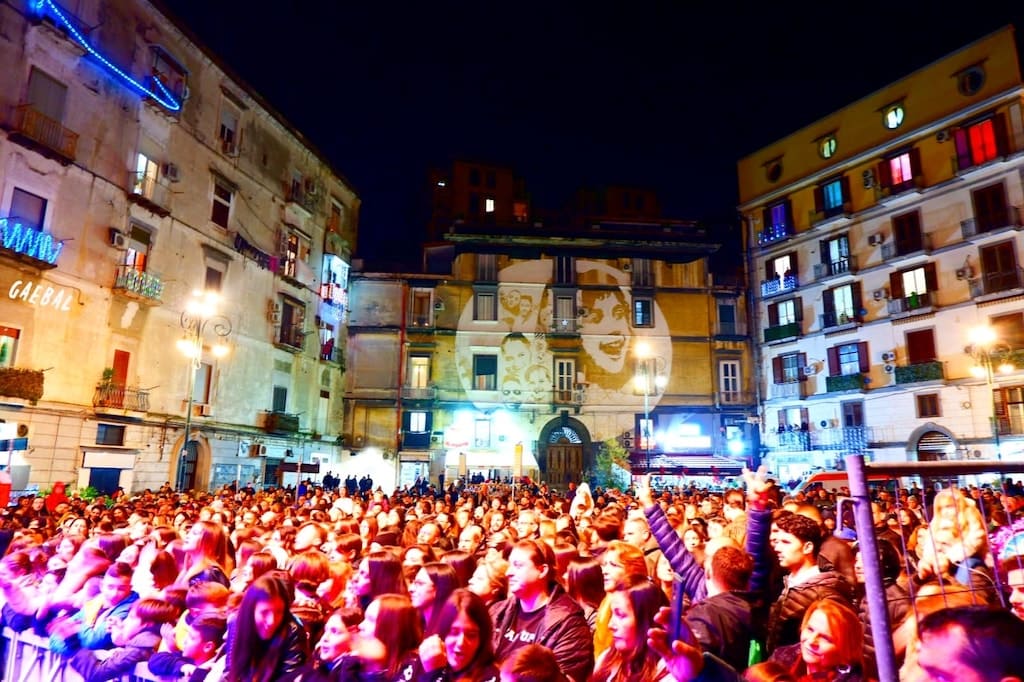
(686, 465)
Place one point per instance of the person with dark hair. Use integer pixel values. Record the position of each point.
(538, 611)
(629, 658)
(265, 643)
(796, 539)
(531, 663)
(392, 619)
(202, 642)
(461, 651)
(971, 644)
(90, 627)
(134, 639)
(429, 591)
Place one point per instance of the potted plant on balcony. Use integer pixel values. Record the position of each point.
(26, 384)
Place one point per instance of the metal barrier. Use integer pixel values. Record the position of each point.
(858, 470)
(29, 659)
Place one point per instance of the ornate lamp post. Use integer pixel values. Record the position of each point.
(199, 315)
(985, 350)
(649, 381)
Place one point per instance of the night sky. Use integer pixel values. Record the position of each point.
(661, 95)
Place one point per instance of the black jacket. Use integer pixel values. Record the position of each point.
(787, 613)
(725, 623)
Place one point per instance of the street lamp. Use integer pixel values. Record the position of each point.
(983, 349)
(200, 313)
(647, 380)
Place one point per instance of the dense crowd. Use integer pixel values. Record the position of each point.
(488, 581)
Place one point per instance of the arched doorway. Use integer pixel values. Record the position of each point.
(932, 443)
(563, 452)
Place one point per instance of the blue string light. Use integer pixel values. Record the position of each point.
(165, 98)
(30, 242)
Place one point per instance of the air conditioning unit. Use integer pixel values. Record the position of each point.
(808, 370)
(257, 450)
(172, 172)
(868, 177)
(966, 272)
(439, 305)
(435, 440)
(879, 294)
(204, 410)
(889, 356)
(889, 368)
(943, 135)
(582, 312)
(876, 239)
(117, 239)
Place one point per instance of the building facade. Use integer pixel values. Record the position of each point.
(533, 343)
(136, 169)
(882, 240)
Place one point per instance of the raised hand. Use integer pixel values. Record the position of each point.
(643, 490)
(684, 660)
(757, 487)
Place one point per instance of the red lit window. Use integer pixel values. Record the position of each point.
(981, 142)
(899, 168)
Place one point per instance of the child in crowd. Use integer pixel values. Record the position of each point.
(202, 599)
(134, 639)
(90, 627)
(203, 639)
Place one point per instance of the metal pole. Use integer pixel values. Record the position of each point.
(992, 400)
(647, 420)
(182, 458)
(874, 587)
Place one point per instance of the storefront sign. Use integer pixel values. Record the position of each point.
(41, 295)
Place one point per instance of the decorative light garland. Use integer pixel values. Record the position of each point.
(165, 98)
(28, 241)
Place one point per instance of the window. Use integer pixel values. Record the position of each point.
(293, 322)
(841, 305)
(147, 173)
(729, 381)
(1009, 329)
(897, 173)
(827, 146)
(727, 322)
(489, 205)
(519, 211)
(202, 388)
(109, 434)
(980, 142)
(27, 208)
(853, 413)
(928, 405)
(990, 209)
(482, 433)
(643, 311)
(486, 267)
(835, 255)
(294, 248)
(565, 379)
(485, 306)
(848, 358)
(47, 96)
(227, 131)
(892, 117)
(789, 368)
(421, 308)
(474, 177)
(913, 288)
(970, 80)
(906, 233)
(417, 422)
(169, 72)
(832, 197)
(999, 267)
(8, 345)
(565, 313)
(921, 346)
(223, 196)
(280, 399)
(565, 270)
(137, 253)
(216, 270)
(778, 222)
(485, 372)
(785, 312)
(419, 371)
(336, 221)
(643, 273)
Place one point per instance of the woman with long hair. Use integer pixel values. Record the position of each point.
(308, 570)
(831, 647)
(429, 591)
(265, 643)
(584, 582)
(206, 555)
(464, 564)
(378, 573)
(622, 565)
(392, 619)
(461, 649)
(489, 581)
(629, 658)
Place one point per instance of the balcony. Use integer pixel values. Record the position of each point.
(914, 304)
(120, 397)
(845, 382)
(424, 393)
(997, 221)
(836, 321)
(304, 197)
(892, 249)
(282, 422)
(735, 398)
(774, 234)
(150, 192)
(140, 286)
(44, 134)
(842, 266)
(331, 353)
(24, 384)
(844, 210)
(779, 285)
(997, 284)
(789, 390)
(923, 371)
(564, 325)
(781, 332)
(420, 321)
(416, 440)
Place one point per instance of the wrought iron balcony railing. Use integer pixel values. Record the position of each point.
(144, 285)
(32, 124)
(121, 397)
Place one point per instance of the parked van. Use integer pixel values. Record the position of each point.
(836, 481)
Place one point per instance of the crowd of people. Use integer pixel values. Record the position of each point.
(483, 582)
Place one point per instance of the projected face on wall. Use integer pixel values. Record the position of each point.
(515, 360)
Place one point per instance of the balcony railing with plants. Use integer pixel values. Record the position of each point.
(779, 285)
(997, 282)
(991, 222)
(121, 397)
(782, 331)
(844, 382)
(144, 285)
(912, 303)
(922, 371)
(834, 319)
(774, 233)
(26, 384)
(32, 124)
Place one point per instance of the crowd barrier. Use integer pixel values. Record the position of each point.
(29, 659)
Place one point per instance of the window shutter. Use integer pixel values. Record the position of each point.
(999, 407)
(824, 251)
(833, 361)
(884, 174)
(915, 162)
(931, 281)
(963, 149)
(769, 270)
(858, 300)
(766, 221)
(429, 424)
(406, 421)
(805, 417)
(896, 285)
(777, 369)
(844, 183)
(819, 199)
(862, 355)
(773, 315)
(798, 309)
(790, 227)
(828, 301)
(1002, 141)
(794, 264)
(801, 361)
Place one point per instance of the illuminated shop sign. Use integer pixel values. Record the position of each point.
(26, 240)
(41, 295)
